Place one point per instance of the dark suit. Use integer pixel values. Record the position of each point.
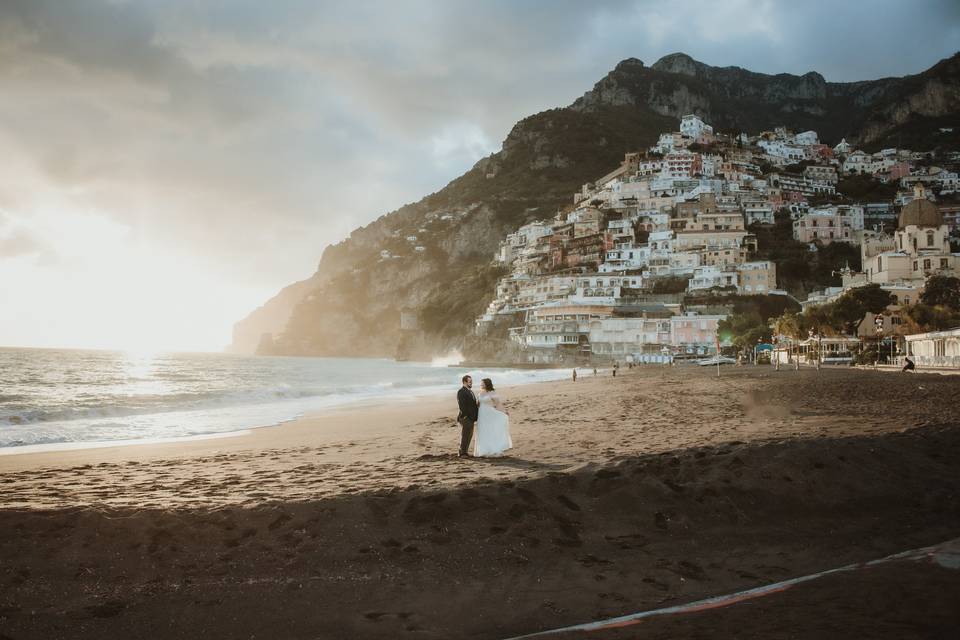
(469, 410)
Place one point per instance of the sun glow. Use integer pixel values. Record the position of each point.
(94, 284)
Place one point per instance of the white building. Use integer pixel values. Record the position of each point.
(711, 164)
(603, 288)
(821, 173)
(760, 211)
(708, 277)
(806, 138)
(782, 150)
(935, 349)
(620, 337)
(858, 162)
(668, 142)
(693, 127)
(843, 147)
(625, 257)
(526, 236)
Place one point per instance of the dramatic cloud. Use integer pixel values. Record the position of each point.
(243, 137)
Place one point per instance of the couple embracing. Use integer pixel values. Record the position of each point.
(486, 412)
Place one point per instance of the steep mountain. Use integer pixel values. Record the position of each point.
(353, 304)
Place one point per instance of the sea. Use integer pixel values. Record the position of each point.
(66, 398)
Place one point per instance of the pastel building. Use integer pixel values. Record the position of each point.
(757, 277)
(692, 332)
(921, 246)
(828, 225)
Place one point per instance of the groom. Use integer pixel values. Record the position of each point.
(469, 409)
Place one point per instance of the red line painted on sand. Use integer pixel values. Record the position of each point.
(946, 554)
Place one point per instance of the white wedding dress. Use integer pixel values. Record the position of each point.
(493, 428)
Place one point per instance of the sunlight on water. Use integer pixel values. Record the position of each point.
(55, 397)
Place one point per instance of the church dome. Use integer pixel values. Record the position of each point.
(920, 212)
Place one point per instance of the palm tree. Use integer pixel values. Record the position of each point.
(787, 325)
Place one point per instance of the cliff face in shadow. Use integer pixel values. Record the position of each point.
(353, 303)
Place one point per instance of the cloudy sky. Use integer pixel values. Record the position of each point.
(168, 165)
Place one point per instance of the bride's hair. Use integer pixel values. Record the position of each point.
(488, 384)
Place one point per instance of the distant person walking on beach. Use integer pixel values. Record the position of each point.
(493, 423)
(574, 375)
(469, 412)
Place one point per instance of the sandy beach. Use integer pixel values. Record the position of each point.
(658, 487)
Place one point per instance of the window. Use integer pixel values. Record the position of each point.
(929, 238)
(926, 263)
(943, 263)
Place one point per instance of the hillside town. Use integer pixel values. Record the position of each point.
(649, 260)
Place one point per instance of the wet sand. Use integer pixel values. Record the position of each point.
(663, 485)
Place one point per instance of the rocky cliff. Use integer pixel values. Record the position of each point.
(353, 304)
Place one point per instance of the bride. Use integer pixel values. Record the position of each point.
(493, 423)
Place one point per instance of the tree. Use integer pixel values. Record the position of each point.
(846, 313)
(819, 319)
(832, 258)
(669, 284)
(942, 291)
(745, 329)
(871, 297)
(866, 188)
(787, 325)
(929, 318)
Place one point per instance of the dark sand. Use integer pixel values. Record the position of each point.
(655, 488)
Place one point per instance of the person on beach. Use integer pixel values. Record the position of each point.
(493, 423)
(574, 375)
(469, 412)
(908, 365)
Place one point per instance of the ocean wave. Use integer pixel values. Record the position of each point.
(189, 396)
(97, 406)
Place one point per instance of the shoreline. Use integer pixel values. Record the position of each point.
(326, 427)
(358, 404)
(557, 425)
